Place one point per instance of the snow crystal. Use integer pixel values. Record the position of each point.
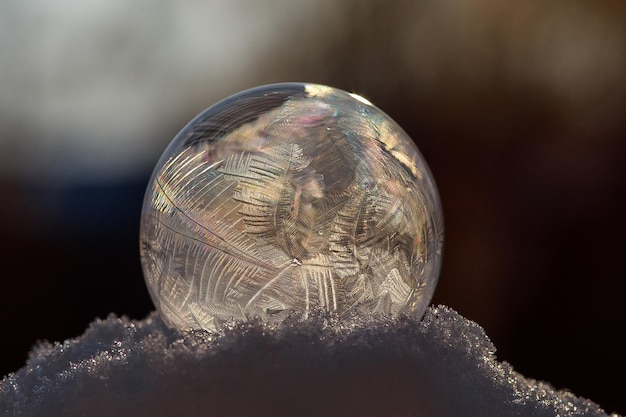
(441, 366)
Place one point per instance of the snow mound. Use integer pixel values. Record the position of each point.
(443, 365)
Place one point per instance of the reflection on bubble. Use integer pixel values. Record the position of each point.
(290, 197)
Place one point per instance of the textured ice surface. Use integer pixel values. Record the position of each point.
(441, 366)
(290, 196)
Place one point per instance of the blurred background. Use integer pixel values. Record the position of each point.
(519, 108)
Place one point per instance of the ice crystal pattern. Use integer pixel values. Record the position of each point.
(290, 197)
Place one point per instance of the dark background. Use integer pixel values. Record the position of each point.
(519, 109)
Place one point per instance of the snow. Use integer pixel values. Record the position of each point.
(443, 365)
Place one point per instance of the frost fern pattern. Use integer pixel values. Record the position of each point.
(300, 208)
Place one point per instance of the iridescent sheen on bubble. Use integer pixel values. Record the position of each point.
(290, 197)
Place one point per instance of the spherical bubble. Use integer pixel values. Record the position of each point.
(290, 197)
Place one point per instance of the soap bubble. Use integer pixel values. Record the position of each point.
(290, 197)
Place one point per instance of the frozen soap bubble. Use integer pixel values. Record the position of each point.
(290, 197)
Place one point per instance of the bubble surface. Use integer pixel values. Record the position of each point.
(290, 197)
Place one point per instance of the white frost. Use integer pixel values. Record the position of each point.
(441, 366)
